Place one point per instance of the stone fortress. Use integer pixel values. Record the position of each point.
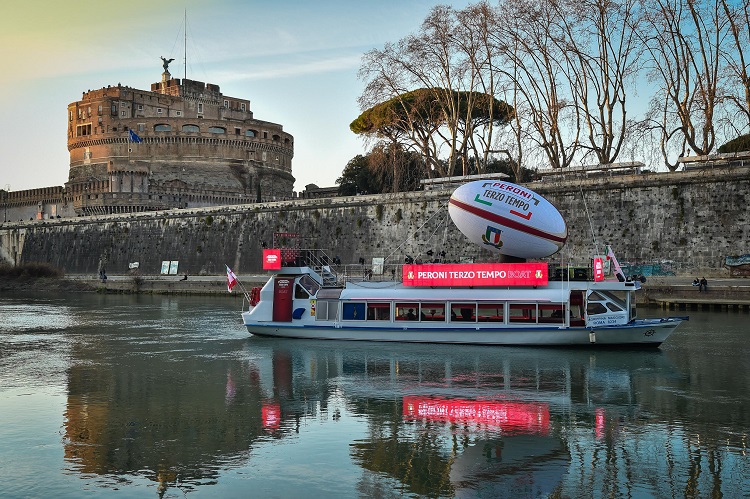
(183, 144)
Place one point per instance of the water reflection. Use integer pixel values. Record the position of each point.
(171, 396)
(435, 421)
(455, 421)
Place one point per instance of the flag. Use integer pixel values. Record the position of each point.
(615, 263)
(134, 137)
(231, 279)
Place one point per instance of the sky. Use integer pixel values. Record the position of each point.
(296, 61)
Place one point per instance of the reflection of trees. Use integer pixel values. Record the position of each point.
(416, 461)
(173, 421)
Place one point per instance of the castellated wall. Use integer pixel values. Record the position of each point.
(695, 218)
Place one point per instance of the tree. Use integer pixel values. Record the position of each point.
(356, 178)
(684, 40)
(534, 67)
(737, 92)
(410, 121)
(603, 55)
(430, 76)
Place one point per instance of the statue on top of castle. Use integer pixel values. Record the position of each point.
(166, 63)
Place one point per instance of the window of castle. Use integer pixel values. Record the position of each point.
(250, 133)
(242, 106)
(217, 129)
(162, 128)
(226, 104)
(191, 128)
(158, 110)
(200, 107)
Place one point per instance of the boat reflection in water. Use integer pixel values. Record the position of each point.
(424, 420)
(472, 420)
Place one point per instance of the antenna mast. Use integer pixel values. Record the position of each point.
(185, 70)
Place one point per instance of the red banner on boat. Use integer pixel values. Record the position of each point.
(598, 269)
(272, 259)
(512, 417)
(476, 274)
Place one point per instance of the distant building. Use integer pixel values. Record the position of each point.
(182, 144)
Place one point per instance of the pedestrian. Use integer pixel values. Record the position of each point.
(703, 285)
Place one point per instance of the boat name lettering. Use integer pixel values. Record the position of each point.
(480, 274)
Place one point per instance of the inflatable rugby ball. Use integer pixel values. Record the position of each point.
(508, 219)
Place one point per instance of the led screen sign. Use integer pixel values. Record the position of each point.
(476, 274)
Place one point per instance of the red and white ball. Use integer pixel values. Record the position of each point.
(508, 219)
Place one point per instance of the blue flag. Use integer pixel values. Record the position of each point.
(134, 137)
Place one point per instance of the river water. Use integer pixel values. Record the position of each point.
(153, 396)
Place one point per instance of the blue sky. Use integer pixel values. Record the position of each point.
(295, 61)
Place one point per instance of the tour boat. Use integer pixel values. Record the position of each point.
(294, 303)
(472, 303)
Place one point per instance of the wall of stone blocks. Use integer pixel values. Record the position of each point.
(693, 218)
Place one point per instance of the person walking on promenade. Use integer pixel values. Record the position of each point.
(704, 285)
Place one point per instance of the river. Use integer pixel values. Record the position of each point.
(158, 396)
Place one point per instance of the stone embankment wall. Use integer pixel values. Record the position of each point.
(695, 218)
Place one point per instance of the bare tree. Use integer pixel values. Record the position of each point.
(684, 40)
(536, 70)
(600, 45)
(737, 91)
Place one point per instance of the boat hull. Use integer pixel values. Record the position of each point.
(639, 333)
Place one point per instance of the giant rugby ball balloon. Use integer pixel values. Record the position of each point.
(508, 219)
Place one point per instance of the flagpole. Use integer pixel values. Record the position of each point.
(242, 286)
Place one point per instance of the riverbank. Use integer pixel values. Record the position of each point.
(670, 292)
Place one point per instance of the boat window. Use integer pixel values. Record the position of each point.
(594, 308)
(491, 312)
(354, 311)
(433, 312)
(464, 312)
(300, 293)
(310, 285)
(613, 307)
(594, 296)
(553, 313)
(522, 312)
(327, 310)
(407, 311)
(378, 311)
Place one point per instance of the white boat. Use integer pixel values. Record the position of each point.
(295, 304)
(485, 304)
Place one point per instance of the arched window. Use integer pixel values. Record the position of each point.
(191, 128)
(217, 129)
(276, 138)
(162, 128)
(250, 133)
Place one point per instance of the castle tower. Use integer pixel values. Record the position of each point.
(180, 144)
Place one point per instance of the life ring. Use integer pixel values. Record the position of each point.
(254, 296)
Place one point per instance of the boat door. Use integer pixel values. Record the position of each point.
(283, 294)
